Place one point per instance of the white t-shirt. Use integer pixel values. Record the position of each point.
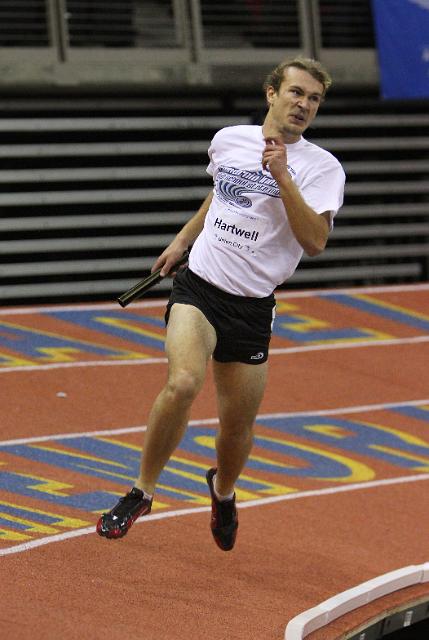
(247, 246)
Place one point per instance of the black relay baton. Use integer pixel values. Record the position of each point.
(144, 285)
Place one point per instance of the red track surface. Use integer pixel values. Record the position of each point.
(167, 580)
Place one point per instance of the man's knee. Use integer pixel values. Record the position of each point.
(184, 385)
(237, 430)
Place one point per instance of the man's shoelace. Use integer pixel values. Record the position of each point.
(126, 503)
(226, 510)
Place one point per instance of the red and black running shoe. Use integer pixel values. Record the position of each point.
(224, 520)
(116, 522)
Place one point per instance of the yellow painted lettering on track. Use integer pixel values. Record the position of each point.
(190, 476)
(121, 324)
(59, 354)
(185, 494)
(333, 431)
(33, 526)
(113, 474)
(367, 334)
(45, 485)
(271, 461)
(305, 324)
(80, 456)
(157, 504)
(271, 488)
(118, 443)
(285, 307)
(359, 472)
(424, 467)
(409, 438)
(390, 305)
(12, 536)
(7, 360)
(62, 354)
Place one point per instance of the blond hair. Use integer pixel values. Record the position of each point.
(313, 67)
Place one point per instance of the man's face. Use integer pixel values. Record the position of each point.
(295, 105)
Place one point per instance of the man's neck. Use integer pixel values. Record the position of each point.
(269, 130)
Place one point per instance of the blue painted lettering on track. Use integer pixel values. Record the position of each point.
(357, 437)
(121, 324)
(310, 448)
(39, 344)
(402, 316)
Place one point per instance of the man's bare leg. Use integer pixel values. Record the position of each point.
(190, 342)
(240, 389)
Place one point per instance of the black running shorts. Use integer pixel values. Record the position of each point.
(243, 325)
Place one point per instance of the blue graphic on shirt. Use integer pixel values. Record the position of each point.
(231, 185)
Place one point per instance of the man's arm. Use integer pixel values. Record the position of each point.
(309, 228)
(184, 238)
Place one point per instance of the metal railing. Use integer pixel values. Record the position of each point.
(250, 24)
(346, 24)
(24, 23)
(183, 41)
(123, 23)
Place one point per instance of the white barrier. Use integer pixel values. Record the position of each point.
(325, 612)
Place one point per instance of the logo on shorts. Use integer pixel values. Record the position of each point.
(257, 356)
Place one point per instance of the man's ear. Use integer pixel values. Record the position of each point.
(270, 93)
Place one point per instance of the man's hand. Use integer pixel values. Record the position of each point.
(274, 157)
(183, 240)
(169, 257)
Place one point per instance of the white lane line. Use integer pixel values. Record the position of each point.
(358, 486)
(273, 352)
(161, 302)
(93, 434)
(251, 503)
(401, 288)
(20, 311)
(359, 344)
(385, 406)
(70, 436)
(26, 546)
(73, 365)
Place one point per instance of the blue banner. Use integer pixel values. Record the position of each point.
(402, 34)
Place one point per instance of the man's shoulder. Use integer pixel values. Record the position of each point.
(314, 150)
(241, 130)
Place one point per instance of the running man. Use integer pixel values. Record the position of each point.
(275, 196)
